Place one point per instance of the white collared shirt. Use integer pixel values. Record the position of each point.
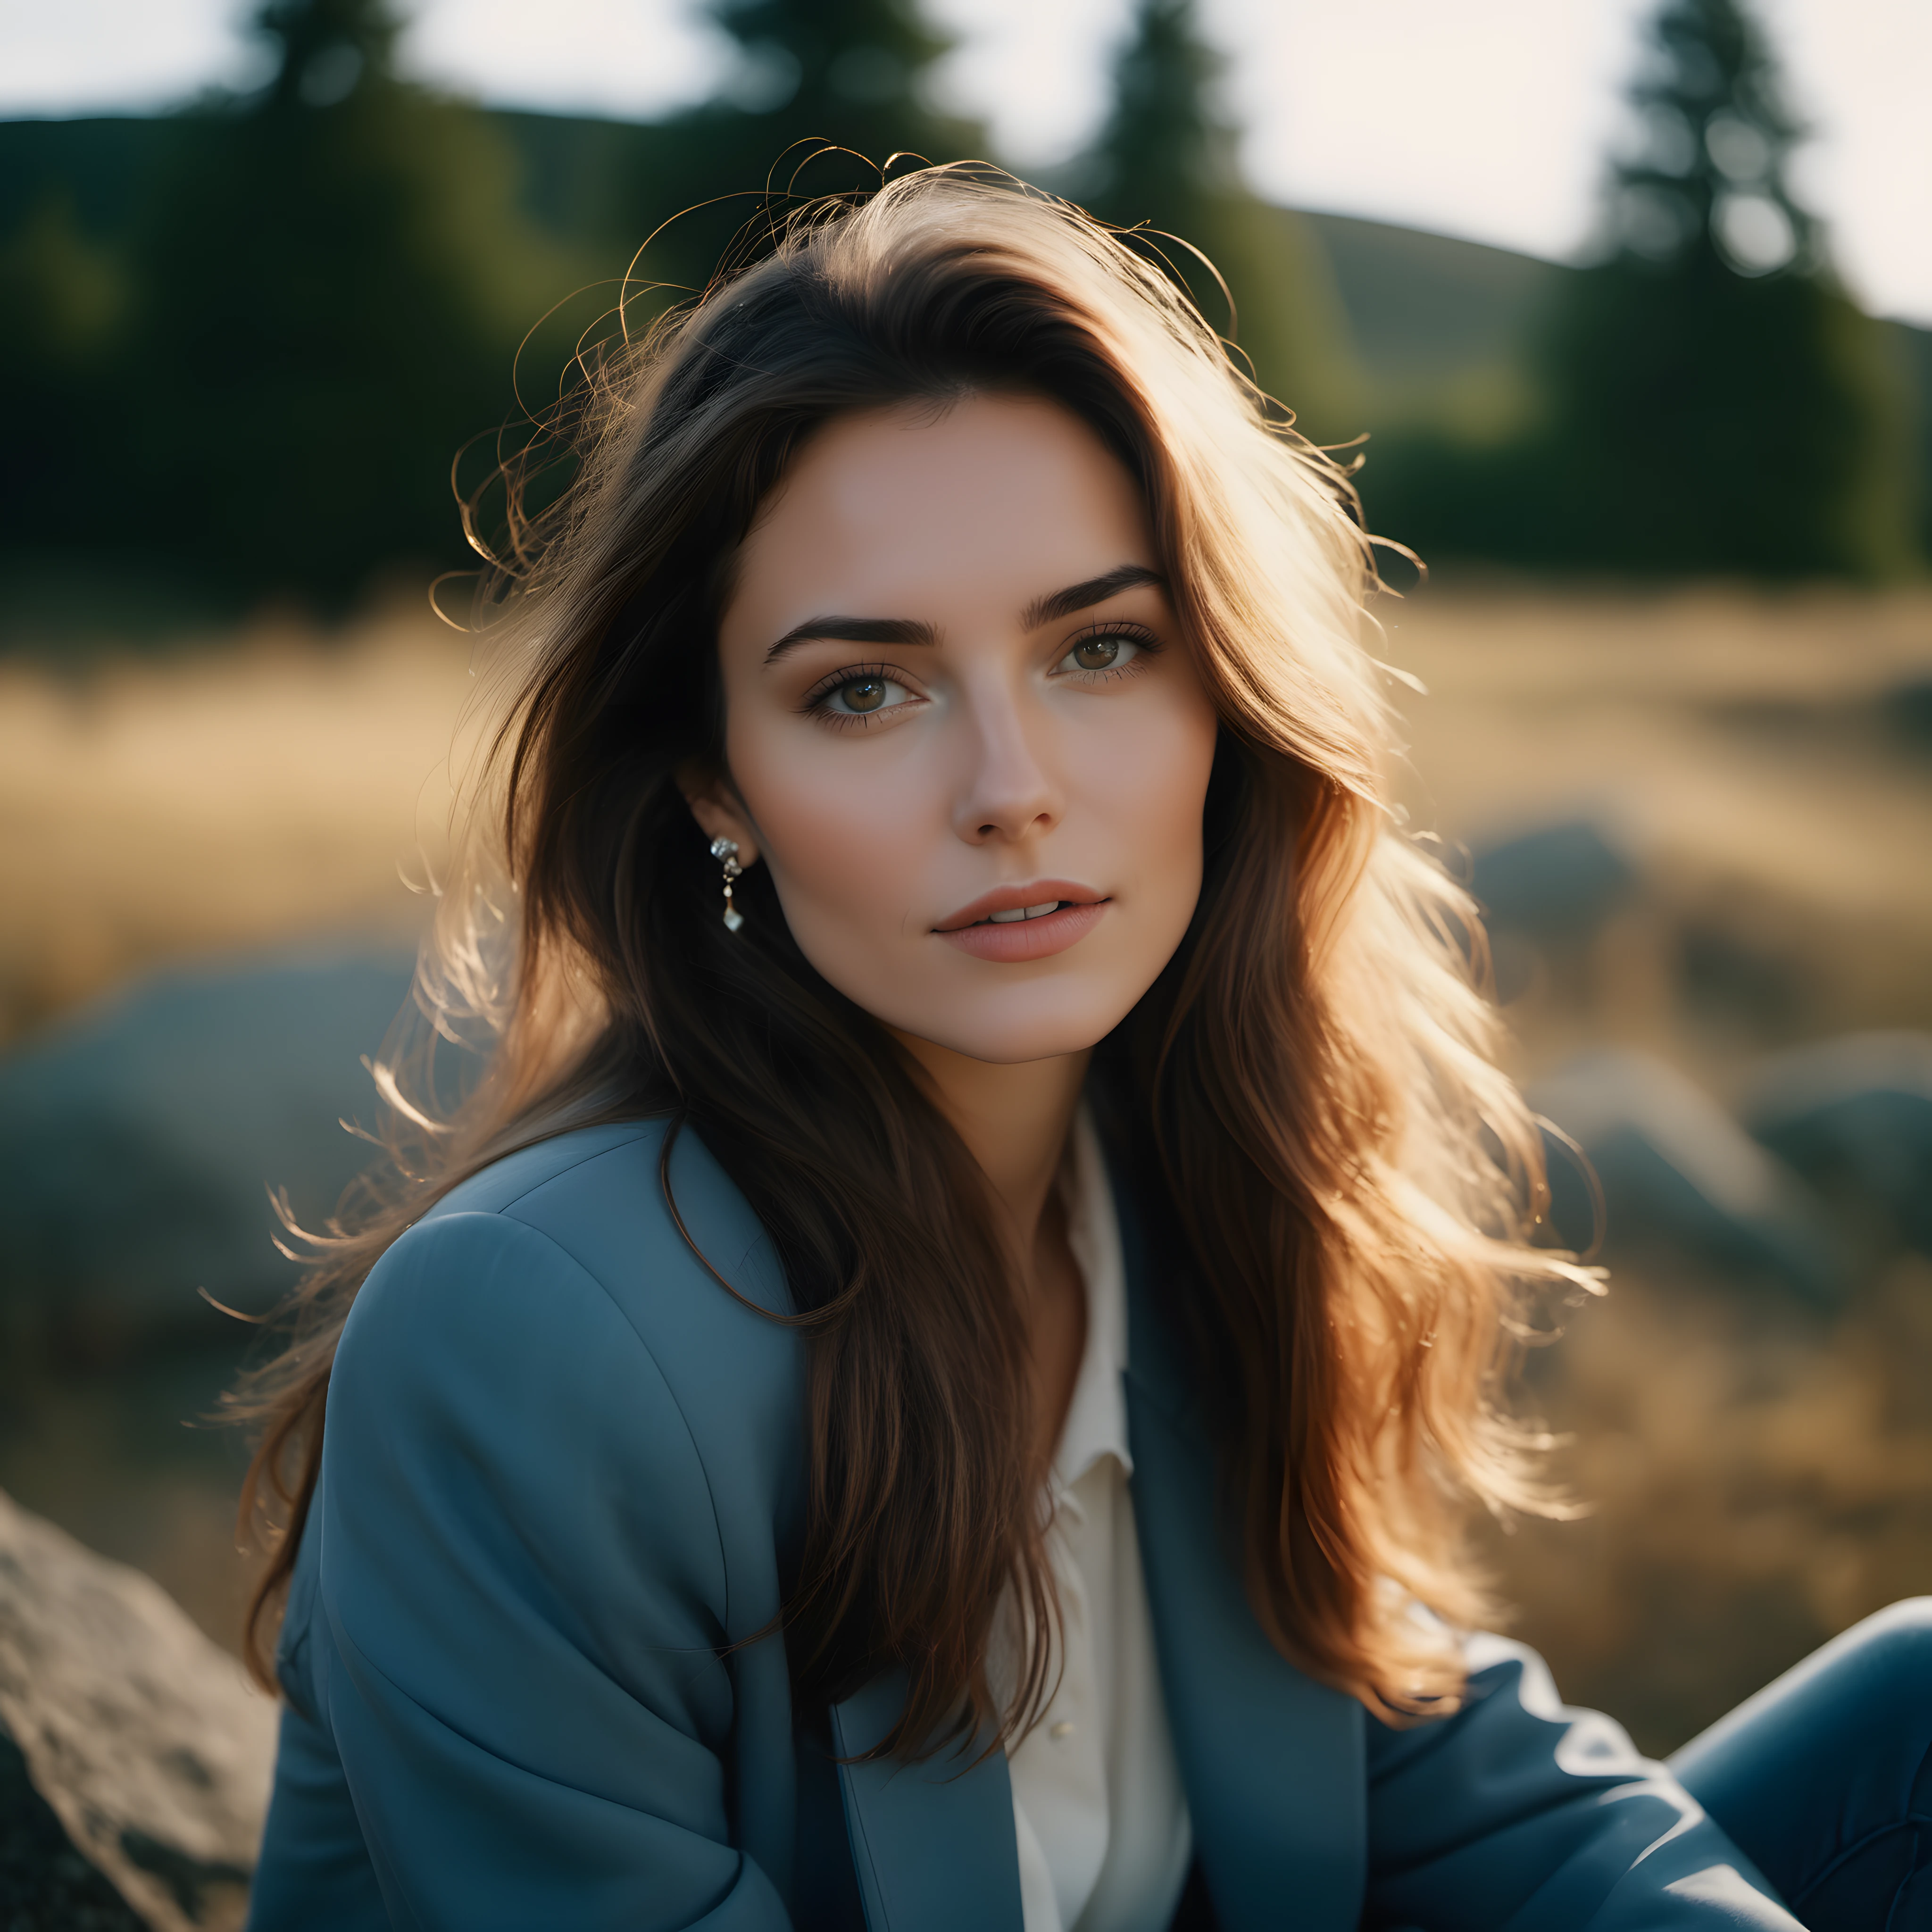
(1099, 1816)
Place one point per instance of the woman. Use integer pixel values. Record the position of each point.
(935, 1381)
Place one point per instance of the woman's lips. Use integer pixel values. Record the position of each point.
(1007, 942)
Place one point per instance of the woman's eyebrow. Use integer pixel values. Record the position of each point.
(1047, 610)
(1060, 604)
(855, 630)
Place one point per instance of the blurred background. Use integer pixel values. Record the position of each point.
(1630, 299)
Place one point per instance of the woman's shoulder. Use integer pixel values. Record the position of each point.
(544, 1405)
(564, 1266)
(594, 1156)
(648, 1231)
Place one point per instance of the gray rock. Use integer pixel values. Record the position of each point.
(141, 1741)
(1678, 1172)
(1907, 708)
(1556, 881)
(139, 1139)
(45, 1886)
(1855, 1114)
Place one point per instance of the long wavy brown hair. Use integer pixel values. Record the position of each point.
(1342, 1189)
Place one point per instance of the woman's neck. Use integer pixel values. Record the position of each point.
(1014, 1120)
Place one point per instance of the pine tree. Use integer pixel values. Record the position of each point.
(333, 278)
(1709, 177)
(1717, 401)
(825, 93)
(846, 71)
(62, 299)
(1166, 150)
(328, 49)
(1166, 159)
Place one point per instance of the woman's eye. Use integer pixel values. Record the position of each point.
(1104, 651)
(860, 697)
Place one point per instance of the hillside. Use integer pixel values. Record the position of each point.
(1443, 330)
(1430, 311)
(1420, 304)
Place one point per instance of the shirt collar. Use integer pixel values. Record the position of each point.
(1097, 1419)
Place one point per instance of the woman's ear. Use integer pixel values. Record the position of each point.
(719, 810)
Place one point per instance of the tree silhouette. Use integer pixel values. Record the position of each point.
(61, 302)
(1166, 159)
(1166, 149)
(332, 280)
(1716, 141)
(329, 48)
(824, 93)
(848, 71)
(1717, 401)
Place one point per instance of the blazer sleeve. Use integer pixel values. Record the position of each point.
(522, 1589)
(1520, 1814)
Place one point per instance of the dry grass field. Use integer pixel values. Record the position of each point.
(1759, 1476)
(1743, 747)
(269, 786)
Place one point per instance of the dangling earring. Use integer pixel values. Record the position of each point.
(727, 849)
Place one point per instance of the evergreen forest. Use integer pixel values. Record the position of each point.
(248, 348)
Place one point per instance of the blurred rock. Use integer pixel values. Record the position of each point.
(45, 1886)
(1855, 1114)
(1907, 708)
(1737, 977)
(139, 1138)
(140, 1738)
(1676, 1171)
(1557, 881)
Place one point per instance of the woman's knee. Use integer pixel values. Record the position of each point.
(1872, 1681)
(1889, 1652)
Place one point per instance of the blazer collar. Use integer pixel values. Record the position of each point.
(1272, 1762)
(933, 1843)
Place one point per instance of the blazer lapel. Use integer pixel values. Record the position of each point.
(1272, 1762)
(933, 1842)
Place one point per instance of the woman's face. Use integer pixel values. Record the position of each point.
(963, 729)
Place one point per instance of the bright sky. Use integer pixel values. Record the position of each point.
(1487, 119)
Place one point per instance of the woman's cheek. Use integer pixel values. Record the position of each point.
(1147, 784)
(843, 836)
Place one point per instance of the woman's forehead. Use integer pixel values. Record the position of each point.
(996, 496)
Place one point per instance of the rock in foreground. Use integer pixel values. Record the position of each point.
(142, 1739)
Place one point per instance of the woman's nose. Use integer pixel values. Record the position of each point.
(1009, 792)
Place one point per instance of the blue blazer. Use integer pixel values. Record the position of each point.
(563, 1476)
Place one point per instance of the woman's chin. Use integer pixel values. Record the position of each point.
(1012, 1032)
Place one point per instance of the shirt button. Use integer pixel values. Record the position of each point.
(1064, 1729)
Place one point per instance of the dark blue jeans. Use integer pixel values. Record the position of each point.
(1824, 1778)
